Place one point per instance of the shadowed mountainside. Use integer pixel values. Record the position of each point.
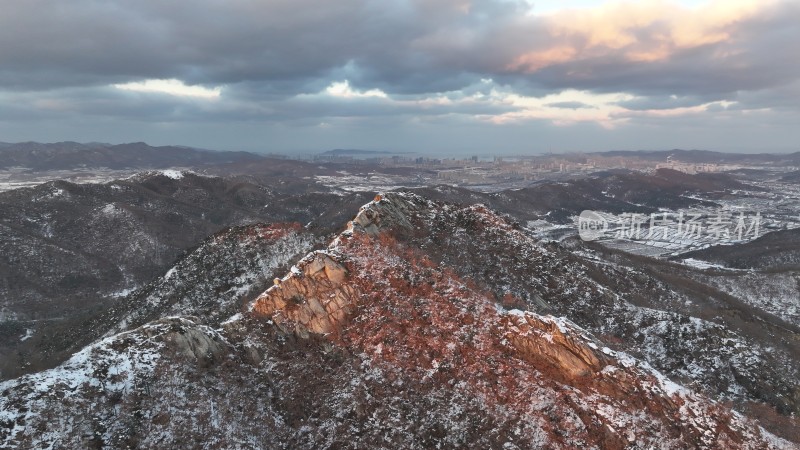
(69, 251)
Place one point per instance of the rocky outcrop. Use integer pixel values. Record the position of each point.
(405, 353)
(549, 341)
(312, 298)
(685, 329)
(388, 210)
(196, 343)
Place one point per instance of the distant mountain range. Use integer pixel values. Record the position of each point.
(708, 157)
(135, 155)
(68, 155)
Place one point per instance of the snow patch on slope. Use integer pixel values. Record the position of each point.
(173, 174)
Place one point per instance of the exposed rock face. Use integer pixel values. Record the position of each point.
(312, 298)
(640, 306)
(196, 344)
(387, 212)
(370, 343)
(419, 322)
(547, 340)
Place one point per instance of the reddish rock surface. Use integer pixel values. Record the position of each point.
(418, 322)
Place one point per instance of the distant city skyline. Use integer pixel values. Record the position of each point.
(433, 77)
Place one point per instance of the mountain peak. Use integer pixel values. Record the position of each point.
(387, 210)
(418, 321)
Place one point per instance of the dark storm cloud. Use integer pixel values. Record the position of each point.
(440, 60)
(780, 98)
(569, 105)
(288, 47)
(160, 107)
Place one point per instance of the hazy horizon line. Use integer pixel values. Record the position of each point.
(424, 153)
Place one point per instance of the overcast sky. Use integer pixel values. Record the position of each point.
(503, 76)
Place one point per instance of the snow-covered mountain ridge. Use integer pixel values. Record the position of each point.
(422, 325)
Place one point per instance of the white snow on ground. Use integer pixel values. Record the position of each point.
(16, 178)
(700, 264)
(170, 273)
(201, 296)
(174, 174)
(28, 335)
(56, 408)
(234, 318)
(355, 183)
(776, 293)
(122, 293)
(100, 365)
